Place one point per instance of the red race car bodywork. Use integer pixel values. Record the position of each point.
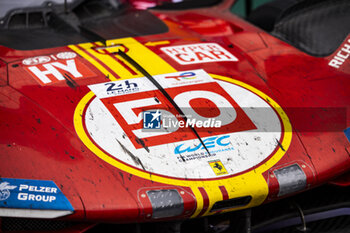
(73, 115)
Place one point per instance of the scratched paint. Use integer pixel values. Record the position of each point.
(237, 151)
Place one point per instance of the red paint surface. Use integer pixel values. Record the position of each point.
(38, 139)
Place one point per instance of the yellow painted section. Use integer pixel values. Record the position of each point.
(141, 54)
(249, 183)
(109, 61)
(156, 43)
(200, 202)
(92, 61)
(144, 56)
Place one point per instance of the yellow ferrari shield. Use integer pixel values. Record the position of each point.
(218, 167)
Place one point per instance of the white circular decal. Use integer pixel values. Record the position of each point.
(66, 55)
(36, 60)
(249, 134)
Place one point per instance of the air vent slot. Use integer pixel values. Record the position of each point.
(53, 25)
(231, 203)
(36, 20)
(18, 21)
(27, 20)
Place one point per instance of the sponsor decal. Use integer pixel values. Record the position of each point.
(66, 55)
(218, 167)
(211, 142)
(32, 194)
(36, 60)
(198, 53)
(122, 88)
(183, 76)
(62, 67)
(341, 56)
(141, 128)
(216, 145)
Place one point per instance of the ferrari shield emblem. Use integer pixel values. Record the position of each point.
(218, 167)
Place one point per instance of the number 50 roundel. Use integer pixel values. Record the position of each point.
(131, 125)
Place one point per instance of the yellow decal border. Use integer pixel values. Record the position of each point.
(249, 183)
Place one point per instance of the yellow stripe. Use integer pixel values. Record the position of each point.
(144, 56)
(199, 200)
(214, 194)
(92, 61)
(250, 183)
(110, 62)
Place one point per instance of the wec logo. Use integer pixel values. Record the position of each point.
(210, 143)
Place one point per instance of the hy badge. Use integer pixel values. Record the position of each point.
(57, 68)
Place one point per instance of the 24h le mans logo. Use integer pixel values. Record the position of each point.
(114, 122)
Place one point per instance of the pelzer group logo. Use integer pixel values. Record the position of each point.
(26, 195)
